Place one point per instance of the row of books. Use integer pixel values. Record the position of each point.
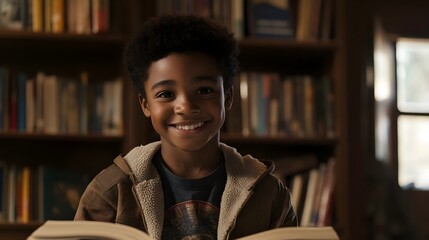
(229, 13)
(312, 189)
(275, 105)
(56, 16)
(272, 19)
(52, 104)
(29, 194)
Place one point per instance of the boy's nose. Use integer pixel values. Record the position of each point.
(185, 106)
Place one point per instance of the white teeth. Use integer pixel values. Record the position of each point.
(190, 127)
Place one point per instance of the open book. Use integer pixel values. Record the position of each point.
(296, 233)
(73, 230)
(104, 230)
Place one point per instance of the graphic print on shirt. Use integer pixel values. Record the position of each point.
(191, 220)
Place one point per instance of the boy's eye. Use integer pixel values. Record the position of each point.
(164, 94)
(205, 90)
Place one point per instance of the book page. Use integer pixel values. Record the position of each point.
(86, 230)
(296, 233)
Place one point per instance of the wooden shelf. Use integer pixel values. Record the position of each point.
(20, 226)
(280, 140)
(264, 147)
(62, 54)
(267, 45)
(288, 56)
(70, 151)
(17, 231)
(27, 45)
(24, 36)
(61, 137)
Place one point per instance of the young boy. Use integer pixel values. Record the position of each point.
(187, 185)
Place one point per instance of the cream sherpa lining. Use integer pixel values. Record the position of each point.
(242, 173)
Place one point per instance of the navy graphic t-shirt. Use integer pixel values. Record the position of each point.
(191, 205)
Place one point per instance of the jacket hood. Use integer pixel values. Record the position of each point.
(246, 167)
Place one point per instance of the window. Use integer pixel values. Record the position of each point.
(412, 101)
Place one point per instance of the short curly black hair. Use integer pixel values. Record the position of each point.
(178, 33)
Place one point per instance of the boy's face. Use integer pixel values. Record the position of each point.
(185, 100)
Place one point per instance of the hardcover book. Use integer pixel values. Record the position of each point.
(3, 187)
(270, 19)
(60, 191)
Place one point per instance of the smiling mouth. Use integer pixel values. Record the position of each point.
(189, 127)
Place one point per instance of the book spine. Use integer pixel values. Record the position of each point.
(317, 196)
(11, 189)
(83, 17)
(100, 16)
(47, 15)
(2, 97)
(288, 104)
(273, 104)
(237, 16)
(25, 195)
(309, 198)
(297, 185)
(105, 16)
(13, 107)
(245, 107)
(3, 191)
(262, 86)
(50, 105)
(30, 105)
(58, 16)
(83, 103)
(308, 105)
(324, 217)
(316, 6)
(26, 14)
(37, 15)
(40, 78)
(72, 112)
(117, 107)
(106, 108)
(326, 20)
(71, 16)
(22, 79)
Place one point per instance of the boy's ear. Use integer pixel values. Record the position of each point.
(229, 97)
(144, 105)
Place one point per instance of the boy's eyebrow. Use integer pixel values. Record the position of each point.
(167, 82)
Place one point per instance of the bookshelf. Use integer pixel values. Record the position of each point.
(65, 55)
(102, 54)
